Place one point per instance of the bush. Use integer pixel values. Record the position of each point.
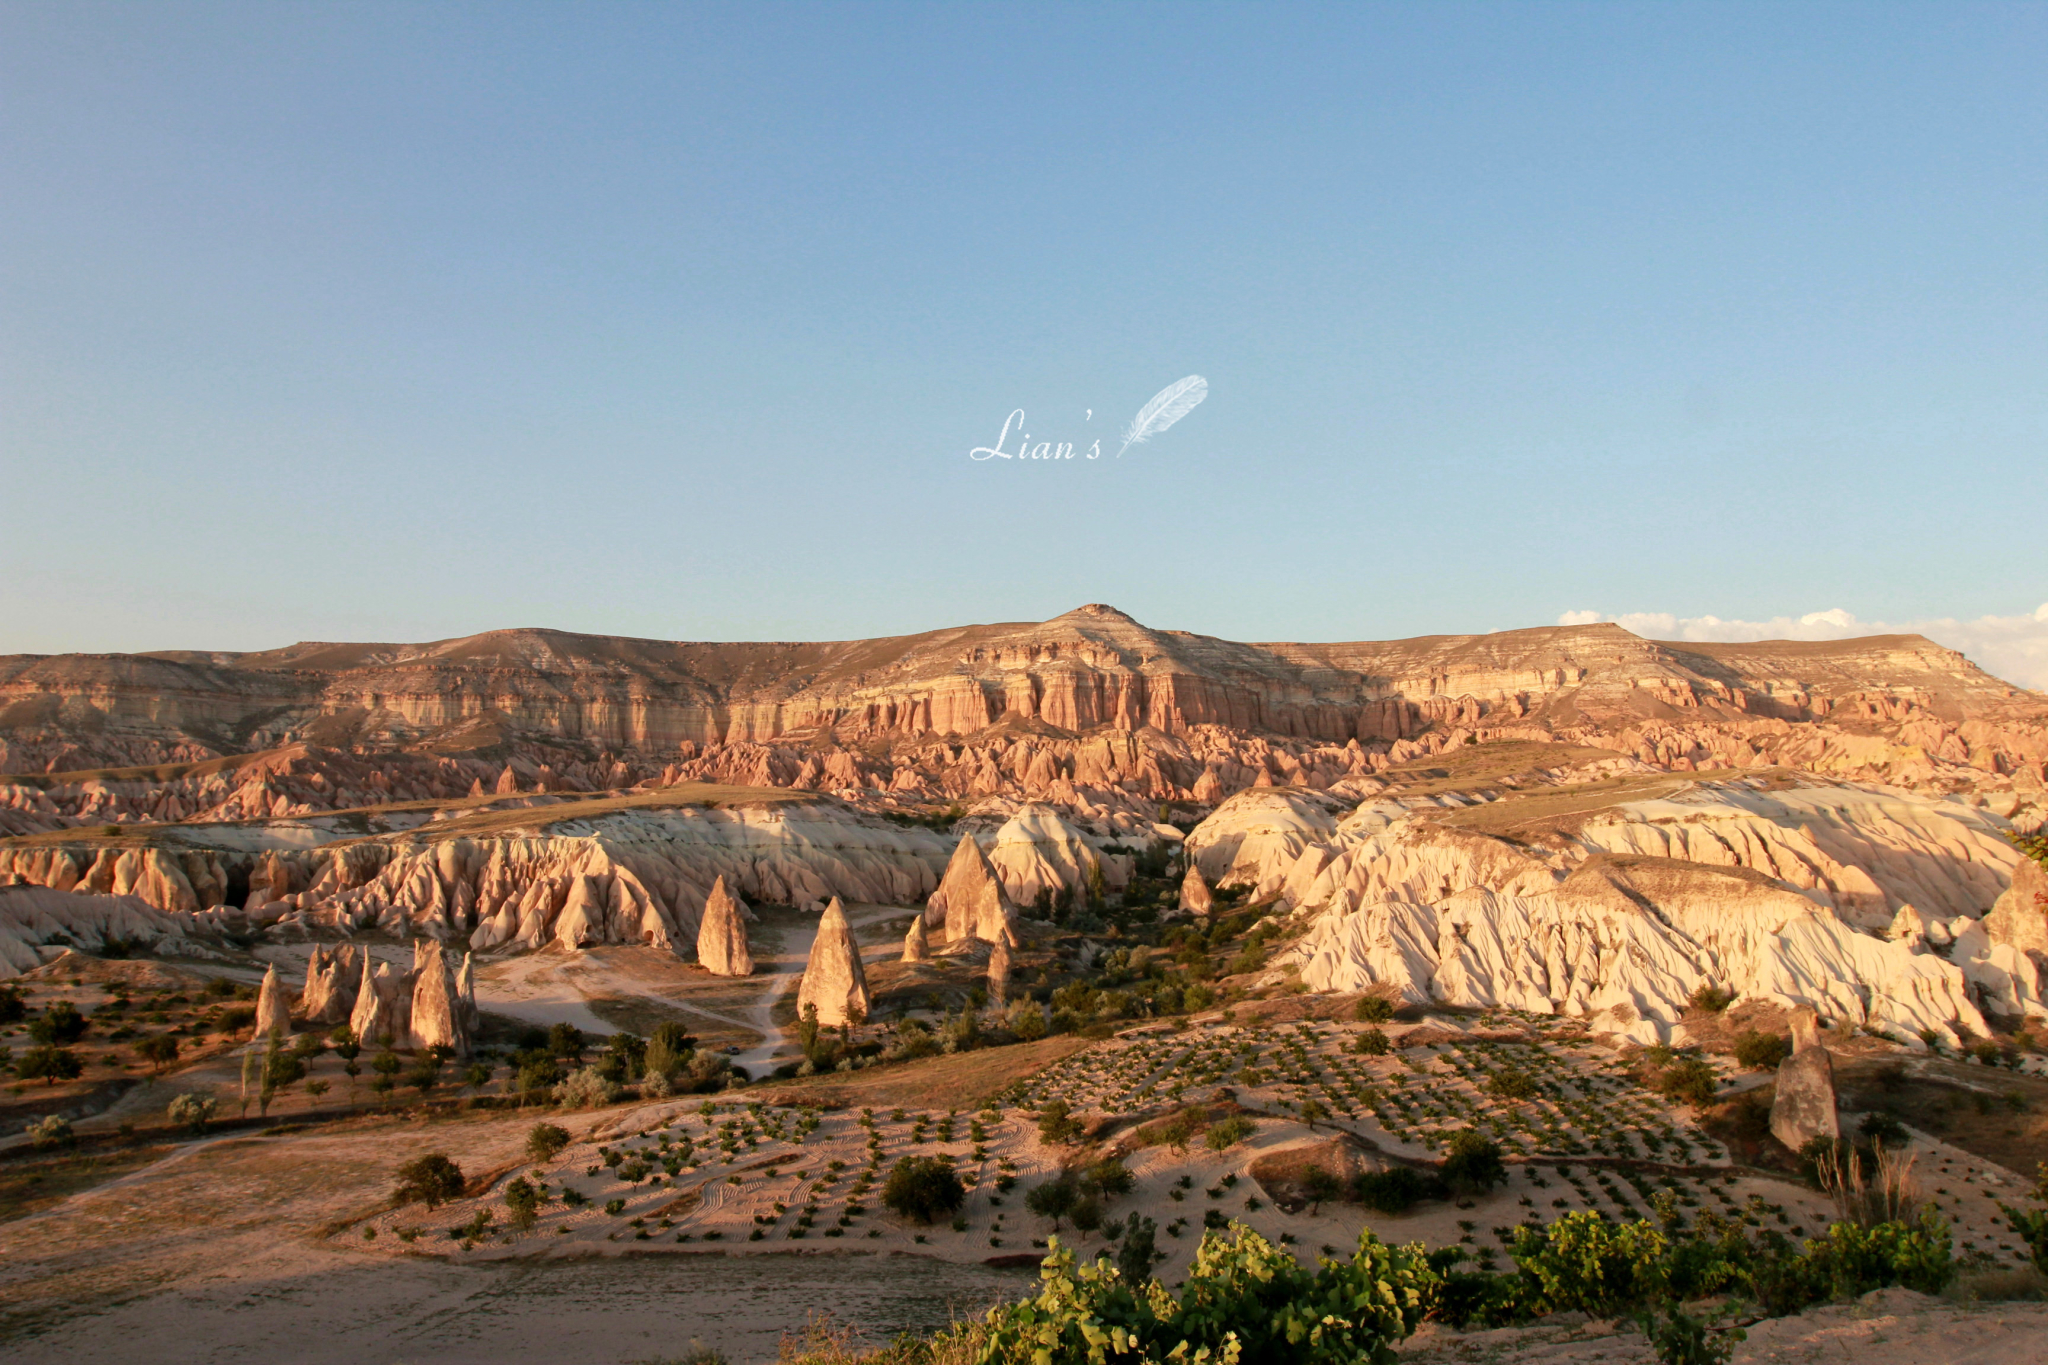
(522, 1203)
(61, 1024)
(1713, 999)
(1373, 1043)
(923, 1188)
(1027, 1020)
(53, 1130)
(1759, 1051)
(1373, 1009)
(1244, 1299)
(158, 1050)
(1583, 1263)
(193, 1111)
(49, 1064)
(1227, 1133)
(1394, 1190)
(432, 1180)
(1056, 1123)
(1137, 1252)
(1110, 1178)
(544, 1141)
(1472, 1164)
(585, 1089)
(1689, 1079)
(1512, 1083)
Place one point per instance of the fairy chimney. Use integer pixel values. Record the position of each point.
(436, 1008)
(970, 901)
(833, 979)
(1195, 897)
(1804, 1106)
(916, 946)
(273, 1015)
(722, 937)
(999, 973)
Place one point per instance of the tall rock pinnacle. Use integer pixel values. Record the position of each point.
(833, 979)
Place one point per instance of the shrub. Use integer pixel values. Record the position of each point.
(61, 1023)
(1394, 1190)
(1227, 1133)
(1759, 1051)
(1512, 1083)
(1586, 1264)
(522, 1203)
(1319, 1185)
(1054, 1199)
(193, 1111)
(1243, 1300)
(432, 1180)
(158, 1050)
(923, 1188)
(1373, 1009)
(1137, 1252)
(544, 1141)
(1027, 1020)
(1472, 1164)
(1689, 1079)
(52, 1130)
(585, 1088)
(49, 1064)
(1056, 1123)
(1711, 998)
(1373, 1043)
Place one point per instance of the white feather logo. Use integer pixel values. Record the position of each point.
(1168, 406)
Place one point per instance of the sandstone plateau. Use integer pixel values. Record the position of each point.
(1564, 819)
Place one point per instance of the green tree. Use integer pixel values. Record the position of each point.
(1373, 1009)
(60, 1024)
(1472, 1164)
(1319, 1185)
(1054, 1199)
(192, 1111)
(1373, 1043)
(159, 1050)
(544, 1141)
(923, 1188)
(49, 1064)
(565, 1040)
(1312, 1112)
(1138, 1252)
(522, 1203)
(1056, 1123)
(432, 1180)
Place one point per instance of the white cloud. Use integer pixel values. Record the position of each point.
(2011, 647)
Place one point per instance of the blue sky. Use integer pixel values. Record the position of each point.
(401, 322)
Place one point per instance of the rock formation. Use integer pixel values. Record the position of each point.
(37, 923)
(969, 902)
(329, 996)
(437, 1014)
(1804, 1107)
(833, 978)
(1195, 897)
(999, 973)
(377, 1017)
(465, 994)
(273, 1012)
(915, 946)
(722, 940)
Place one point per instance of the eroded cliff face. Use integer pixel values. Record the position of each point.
(1040, 711)
(1427, 809)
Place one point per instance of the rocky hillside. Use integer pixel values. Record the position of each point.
(1088, 709)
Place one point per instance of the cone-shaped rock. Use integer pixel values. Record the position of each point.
(1804, 1108)
(970, 902)
(916, 947)
(1194, 893)
(330, 986)
(833, 979)
(722, 937)
(436, 1011)
(465, 993)
(273, 1015)
(999, 973)
(370, 1020)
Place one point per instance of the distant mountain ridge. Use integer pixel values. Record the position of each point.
(1089, 668)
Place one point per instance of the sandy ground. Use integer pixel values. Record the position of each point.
(1888, 1327)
